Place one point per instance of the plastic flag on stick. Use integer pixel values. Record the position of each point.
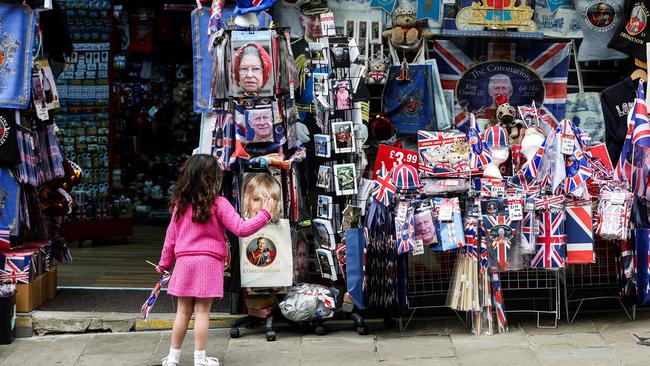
(148, 305)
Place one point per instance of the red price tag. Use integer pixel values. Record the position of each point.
(393, 156)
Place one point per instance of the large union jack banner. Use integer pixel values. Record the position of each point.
(551, 240)
(522, 72)
(579, 232)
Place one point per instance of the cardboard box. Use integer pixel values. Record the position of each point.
(52, 281)
(28, 295)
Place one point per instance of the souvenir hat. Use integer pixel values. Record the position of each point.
(312, 7)
(496, 136)
(405, 178)
(252, 6)
(266, 61)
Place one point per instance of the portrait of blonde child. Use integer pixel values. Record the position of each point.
(257, 188)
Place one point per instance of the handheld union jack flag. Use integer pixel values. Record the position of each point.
(479, 152)
(384, 189)
(551, 241)
(631, 162)
(576, 167)
(499, 303)
(405, 233)
(529, 114)
(148, 305)
(5, 242)
(471, 238)
(528, 232)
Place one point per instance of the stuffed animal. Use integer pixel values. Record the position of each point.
(377, 68)
(405, 31)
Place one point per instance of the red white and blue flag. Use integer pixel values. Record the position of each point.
(630, 167)
(479, 152)
(5, 242)
(579, 232)
(405, 233)
(529, 114)
(384, 189)
(16, 268)
(499, 303)
(148, 305)
(576, 167)
(549, 62)
(551, 241)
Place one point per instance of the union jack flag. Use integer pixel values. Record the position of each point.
(528, 232)
(405, 233)
(499, 303)
(384, 189)
(551, 241)
(148, 305)
(576, 165)
(525, 179)
(5, 242)
(101, 213)
(16, 268)
(471, 238)
(630, 167)
(501, 238)
(529, 114)
(579, 232)
(549, 60)
(479, 151)
(485, 260)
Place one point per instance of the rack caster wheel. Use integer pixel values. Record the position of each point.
(270, 336)
(234, 332)
(363, 330)
(320, 330)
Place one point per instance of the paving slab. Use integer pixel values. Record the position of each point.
(515, 338)
(124, 343)
(414, 347)
(579, 326)
(47, 351)
(448, 361)
(340, 348)
(631, 354)
(575, 356)
(621, 330)
(253, 350)
(217, 346)
(498, 357)
(118, 359)
(578, 340)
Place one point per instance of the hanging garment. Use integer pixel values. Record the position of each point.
(599, 20)
(631, 34)
(562, 23)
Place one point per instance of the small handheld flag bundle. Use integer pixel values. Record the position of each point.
(148, 305)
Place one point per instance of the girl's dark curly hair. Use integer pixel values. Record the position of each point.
(198, 184)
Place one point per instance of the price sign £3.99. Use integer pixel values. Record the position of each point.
(392, 156)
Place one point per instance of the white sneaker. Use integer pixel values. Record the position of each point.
(166, 362)
(207, 361)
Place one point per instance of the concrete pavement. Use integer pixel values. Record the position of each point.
(596, 339)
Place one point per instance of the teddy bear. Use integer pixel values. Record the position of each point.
(377, 68)
(405, 31)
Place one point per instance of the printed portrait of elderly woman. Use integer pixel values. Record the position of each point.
(252, 68)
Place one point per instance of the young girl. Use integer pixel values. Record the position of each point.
(196, 242)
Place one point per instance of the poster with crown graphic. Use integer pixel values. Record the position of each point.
(17, 24)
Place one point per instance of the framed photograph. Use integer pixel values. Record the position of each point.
(323, 144)
(321, 84)
(376, 29)
(325, 233)
(256, 186)
(326, 264)
(351, 217)
(252, 64)
(342, 94)
(343, 135)
(267, 257)
(325, 207)
(345, 179)
(324, 178)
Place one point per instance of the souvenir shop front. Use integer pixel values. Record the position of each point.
(483, 158)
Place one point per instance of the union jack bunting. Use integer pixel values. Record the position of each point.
(405, 233)
(500, 231)
(479, 152)
(457, 60)
(579, 232)
(499, 303)
(384, 189)
(550, 241)
(5, 242)
(148, 305)
(630, 167)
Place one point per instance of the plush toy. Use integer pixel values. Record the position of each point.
(377, 68)
(405, 31)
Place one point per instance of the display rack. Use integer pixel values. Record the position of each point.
(538, 290)
(597, 281)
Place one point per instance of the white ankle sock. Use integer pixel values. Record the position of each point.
(199, 355)
(174, 354)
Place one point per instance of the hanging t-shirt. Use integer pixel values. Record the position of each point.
(8, 141)
(599, 20)
(562, 23)
(617, 101)
(631, 35)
